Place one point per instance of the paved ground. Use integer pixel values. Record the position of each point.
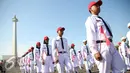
(17, 70)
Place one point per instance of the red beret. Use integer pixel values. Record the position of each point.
(72, 45)
(38, 44)
(60, 28)
(93, 3)
(46, 38)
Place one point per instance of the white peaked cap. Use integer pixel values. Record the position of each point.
(128, 24)
(123, 38)
(84, 40)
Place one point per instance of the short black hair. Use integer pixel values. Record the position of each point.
(44, 42)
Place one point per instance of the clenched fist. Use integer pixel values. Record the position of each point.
(43, 62)
(98, 56)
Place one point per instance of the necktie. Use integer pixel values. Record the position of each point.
(87, 50)
(47, 49)
(39, 50)
(106, 27)
(74, 52)
(62, 43)
(32, 55)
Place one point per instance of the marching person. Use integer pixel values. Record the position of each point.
(124, 52)
(80, 58)
(60, 46)
(37, 57)
(22, 65)
(31, 60)
(25, 58)
(99, 37)
(88, 59)
(74, 58)
(120, 50)
(46, 56)
(128, 34)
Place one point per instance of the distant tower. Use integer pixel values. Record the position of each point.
(15, 20)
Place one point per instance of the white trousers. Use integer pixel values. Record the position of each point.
(89, 63)
(81, 64)
(38, 66)
(127, 61)
(111, 60)
(75, 64)
(31, 68)
(64, 61)
(48, 67)
(26, 70)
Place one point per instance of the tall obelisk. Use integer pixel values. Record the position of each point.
(15, 20)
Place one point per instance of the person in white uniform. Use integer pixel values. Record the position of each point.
(128, 34)
(31, 60)
(120, 50)
(37, 59)
(25, 57)
(99, 37)
(88, 59)
(46, 56)
(22, 65)
(124, 52)
(80, 59)
(74, 58)
(60, 46)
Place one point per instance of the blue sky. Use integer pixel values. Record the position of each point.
(38, 18)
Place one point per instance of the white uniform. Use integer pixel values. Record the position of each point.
(80, 59)
(89, 59)
(74, 60)
(111, 58)
(26, 68)
(46, 54)
(63, 53)
(22, 65)
(120, 52)
(37, 60)
(31, 62)
(128, 35)
(125, 54)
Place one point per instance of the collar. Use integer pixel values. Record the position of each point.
(94, 15)
(58, 37)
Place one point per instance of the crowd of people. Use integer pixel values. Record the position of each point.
(100, 50)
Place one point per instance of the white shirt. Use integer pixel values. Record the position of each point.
(72, 54)
(30, 56)
(21, 62)
(80, 57)
(44, 51)
(128, 36)
(123, 48)
(93, 24)
(57, 46)
(84, 51)
(37, 54)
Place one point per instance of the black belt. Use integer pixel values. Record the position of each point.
(103, 41)
(100, 41)
(48, 54)
(62, 52)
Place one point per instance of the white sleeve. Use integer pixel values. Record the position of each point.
(67, 47)
(82, 52)
(42, 53)
(91, 35)
(71, 54)
(54, 49)
(123, 49)
(34, 55)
